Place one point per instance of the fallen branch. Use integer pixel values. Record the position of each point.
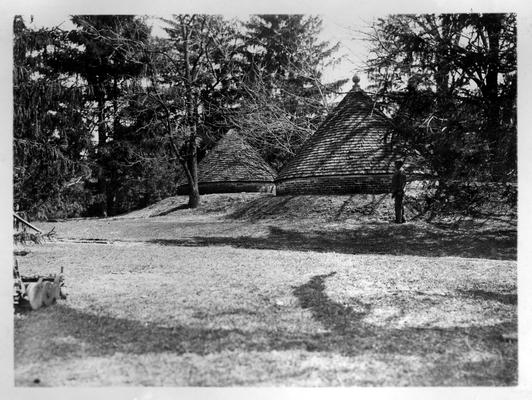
(20, 219)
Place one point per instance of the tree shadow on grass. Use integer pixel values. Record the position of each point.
(407, 239)
(71, 333)
(504, 298)
(350, 335)
(335, 208)
(171, 210)
(331, 314)
(261, 207)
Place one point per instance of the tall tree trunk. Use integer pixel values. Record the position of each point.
(192, 156)
(102, 128)
(193, 195)
(191, 171)
(110, 200)
(116, 120)
(102, 139)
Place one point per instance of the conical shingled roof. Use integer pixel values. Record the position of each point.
(233, 166)
(351, 141)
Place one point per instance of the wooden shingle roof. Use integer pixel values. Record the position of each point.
(351, 141)
(234, 160)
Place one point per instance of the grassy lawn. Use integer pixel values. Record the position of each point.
(201, 299)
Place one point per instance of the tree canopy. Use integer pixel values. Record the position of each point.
(112, 118)
(285, 97)
(108, 118)
(449, 83)
(50, 135)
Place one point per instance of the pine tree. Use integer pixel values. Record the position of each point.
(99, 54)
(449, 82)
(285, 96)
(461, 66)
(50, 140)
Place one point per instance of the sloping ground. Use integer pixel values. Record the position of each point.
(265, 206)
(332, 208)
(253, 289)
(325, 208)
(343, 224)
(210, 204)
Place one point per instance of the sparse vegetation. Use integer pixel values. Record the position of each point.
(195, 298)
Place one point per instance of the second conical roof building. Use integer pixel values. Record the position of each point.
(233, 166)
(349, 153)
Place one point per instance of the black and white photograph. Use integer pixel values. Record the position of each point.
(264, 199)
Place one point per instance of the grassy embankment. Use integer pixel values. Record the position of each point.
(232, 295)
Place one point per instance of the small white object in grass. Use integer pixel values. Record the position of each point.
(35, 293)
(509, 337)
(48, 294)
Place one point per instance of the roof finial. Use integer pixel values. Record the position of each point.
(356, 80)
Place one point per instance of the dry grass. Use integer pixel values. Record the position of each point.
(350, 237)
(232, 302)
(329, 208)
(223, 316)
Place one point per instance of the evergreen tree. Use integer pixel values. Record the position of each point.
(285, 96)
(99, 53)
(50, 137)
(449, 82)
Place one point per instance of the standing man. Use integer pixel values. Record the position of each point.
(398, 191)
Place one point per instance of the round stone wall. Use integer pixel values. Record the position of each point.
(230, 187)
(339, 184)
